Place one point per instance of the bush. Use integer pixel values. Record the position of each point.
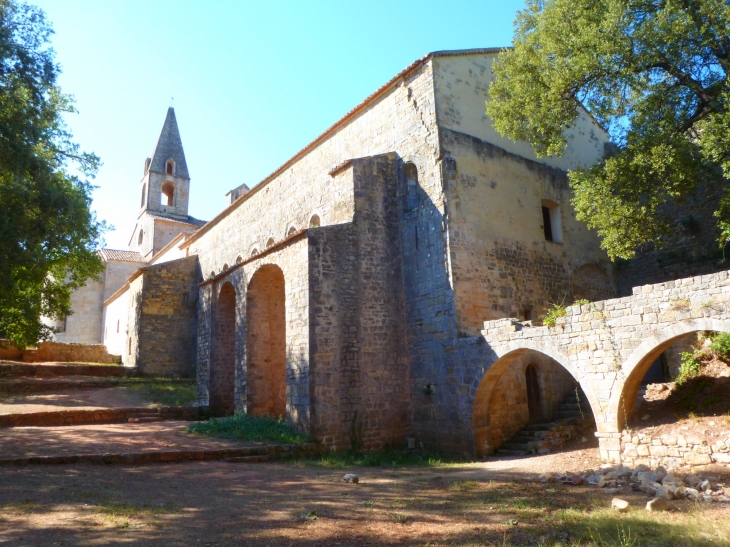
(720, 344)
(244, 427)
(551, 315)
(690, 367)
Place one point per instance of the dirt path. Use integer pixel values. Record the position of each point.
(20, 442)
(225, 504)
(76, 399)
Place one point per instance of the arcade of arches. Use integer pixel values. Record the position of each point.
(264, 364)
(606, 346)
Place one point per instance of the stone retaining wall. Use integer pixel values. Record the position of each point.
(59, 352)
(673, 450)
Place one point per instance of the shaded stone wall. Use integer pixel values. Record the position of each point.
(163, 314)
(360, 374)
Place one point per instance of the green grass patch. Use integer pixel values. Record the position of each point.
(244, 427)
(166, 392)
(381, 458)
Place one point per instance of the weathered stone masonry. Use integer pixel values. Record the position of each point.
(608, 346)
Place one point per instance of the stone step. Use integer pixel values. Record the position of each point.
(257, 454)
(101, 416)
(515, 446)
(539, 427)
(565, 414)
(145, 420)
(503, 452)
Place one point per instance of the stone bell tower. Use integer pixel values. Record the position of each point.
(165, 190)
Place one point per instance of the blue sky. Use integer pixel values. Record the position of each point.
(252, 83)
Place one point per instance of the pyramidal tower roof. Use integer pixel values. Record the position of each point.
(169, 145)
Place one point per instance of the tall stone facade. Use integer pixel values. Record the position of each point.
(348, 291)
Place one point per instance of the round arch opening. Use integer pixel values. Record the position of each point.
(523, 387)
(266, 343)
(222, 366)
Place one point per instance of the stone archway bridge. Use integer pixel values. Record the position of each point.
(609, 345)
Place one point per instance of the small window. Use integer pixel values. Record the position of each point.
(117, 325)
(212, 274)
(270, 242)
(239, 259)
(170, 167)
(168, 190)
(144, 191)
(291, 231)
(140, 238)
(527, 313)
(314, 221)
(551, 221)
(130, 346)
(411, 175)
(254, 252)
(225, 267)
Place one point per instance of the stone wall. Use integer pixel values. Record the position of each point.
(60, 352)
(502, 265)
(360, 375)
(673, 450)
(163, 318)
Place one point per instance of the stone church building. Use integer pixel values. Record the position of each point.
(347, 291)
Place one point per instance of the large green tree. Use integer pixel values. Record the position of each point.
(48, 235)
(654, 73)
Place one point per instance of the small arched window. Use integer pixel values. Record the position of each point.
(170, 167)
(225, 267)
(117, 325)
(144, 191)
(140, 237)
(411, 175)
(239, 259)
(212, 274)
(291, 231)
(314, 221)
(168, 190)
(254, 252)
(130, 346)
(270, 242)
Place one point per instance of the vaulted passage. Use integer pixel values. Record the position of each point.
(222, 370)
(523, 392)
(266, 343)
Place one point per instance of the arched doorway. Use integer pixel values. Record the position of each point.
(222, 369)
(266, 343)
(524, 385)
(533, 393)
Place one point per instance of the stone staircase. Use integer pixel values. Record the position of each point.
(567, 417)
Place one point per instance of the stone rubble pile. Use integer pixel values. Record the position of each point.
(658, 484)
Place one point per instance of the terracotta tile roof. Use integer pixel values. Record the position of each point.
(125, 256)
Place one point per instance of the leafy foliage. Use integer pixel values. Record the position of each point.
(245, 427)
(654, 74)
(550, 317)
(690, 366)
(720, 344)
(48, 235)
